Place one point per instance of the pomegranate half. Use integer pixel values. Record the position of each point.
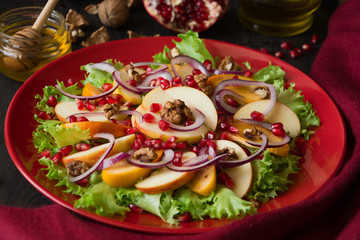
(184, 15)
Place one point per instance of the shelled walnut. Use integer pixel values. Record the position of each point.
(76, 22)
(99, 36)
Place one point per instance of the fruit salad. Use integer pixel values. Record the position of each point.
(184, 136)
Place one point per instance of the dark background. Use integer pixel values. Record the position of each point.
(16, 191)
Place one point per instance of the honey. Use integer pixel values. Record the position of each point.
(279, 18)
(21, 57)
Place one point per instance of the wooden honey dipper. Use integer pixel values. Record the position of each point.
(23, 61)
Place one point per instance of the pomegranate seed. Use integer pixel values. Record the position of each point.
(116, 97)
(279, 54)
(109, 99)
(222, 177)
(196, 71)
(185, 217)
(102, 101)
(149, 118)
(293, 54)
(257, 116)
(72, 118)
(286, 45)
(307, 47)
(82, 119)
(83, 182)
(149, 69)
(52, 101)
(232, 103)
(45, 153)
(80, 104)
(57, 157)
(315, 38)
(136, 144)
(133, 83)
(178, 154)
(155, 107)
(195, 149)
(202, 143)
(233, 130)
(264, 50)
(66, 150)
(211, 135)
(106, 86)
(223, 136)
(211, 143)
(70, 82)
(141, 138)
(278, 132)
(89, 106)
(277, 125)
(189, 77)
(163, 125)
(44, 116)
(131, 130)
(164, 84)
(177, 161)
(192, 83)
(177, 80)
(298, 51)
(147, 142)
(156, 143)
(85, 146)
(208, 64)
(188, 122)
(135, 209)
(168, 145)
(229, 183)
(182, 145)
(248, 73)
(78, 146)
(300, 147)
(224, 126)
(172, 139)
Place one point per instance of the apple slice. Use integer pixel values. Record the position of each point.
(165, 180)
(117, 130)
(192, 97)
(65, 109)
(127, 95)
(185, 70)
(240, 137)
(204, 181)
(92, 155)
(241, 175)
(280, 113)
(152, 130)
(123, 174)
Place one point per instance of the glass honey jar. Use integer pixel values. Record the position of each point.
(21, 57)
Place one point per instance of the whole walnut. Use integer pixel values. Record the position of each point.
(113, 13)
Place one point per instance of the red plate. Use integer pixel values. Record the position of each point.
(323, 157)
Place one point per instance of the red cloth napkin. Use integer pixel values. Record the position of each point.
(333, 213)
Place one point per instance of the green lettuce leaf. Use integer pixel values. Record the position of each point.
(98, 77)
(271, 175)
(162, 57)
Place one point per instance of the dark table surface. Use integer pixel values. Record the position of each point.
(14, 188)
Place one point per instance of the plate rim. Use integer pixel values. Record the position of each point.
(131, 226)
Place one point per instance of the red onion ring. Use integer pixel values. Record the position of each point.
(240, 82)
(166, 159)
(123, 112)
(111, 139)
(191, 61)
(87, 97)
(199, 120)
(231, 164)
(197, 163)
(162, 67)
(103, 66)
(286, 139)
(144, 85)
(222, 105)
(108, 162)
(117, 77)
(235, 72)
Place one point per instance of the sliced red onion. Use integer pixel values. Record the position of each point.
(144, 86)
(197, 163)
(286, 139)
(87, 97)
(222, 105)
(166, 159)
(236, 163)
(117, 77)
(103, 66)
(207, 151)
(122, 112)
(111, 139)
(108, 162)
(235, 72)
(240, 82)
(191, 61)
(162, 67)
(199, 120)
